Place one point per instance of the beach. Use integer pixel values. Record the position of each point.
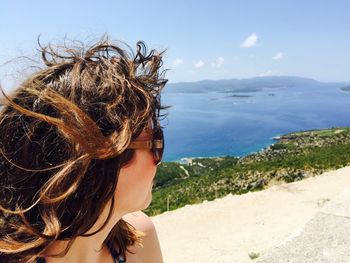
(230, 229)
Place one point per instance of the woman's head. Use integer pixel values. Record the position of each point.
(65, 137)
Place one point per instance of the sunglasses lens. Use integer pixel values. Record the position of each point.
(158, 152)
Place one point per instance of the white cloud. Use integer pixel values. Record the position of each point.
(177, 61)
(218, 63)
(199, 64)
(265, 74)
(279, 55)
(250, 41)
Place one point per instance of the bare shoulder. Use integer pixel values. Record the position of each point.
(151, 251)
(140, 221)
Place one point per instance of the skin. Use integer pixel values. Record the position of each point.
(151, 251)
(133, 193)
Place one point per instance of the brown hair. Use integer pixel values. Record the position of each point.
(63, 138)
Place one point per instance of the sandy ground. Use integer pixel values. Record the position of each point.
(228, 229)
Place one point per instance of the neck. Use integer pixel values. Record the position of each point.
(90, 249)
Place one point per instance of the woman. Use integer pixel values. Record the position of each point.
(80, 142)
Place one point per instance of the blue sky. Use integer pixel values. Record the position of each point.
(204, 39)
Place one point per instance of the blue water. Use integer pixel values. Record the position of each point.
(214, 124)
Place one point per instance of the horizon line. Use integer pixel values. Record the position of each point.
(253, 77)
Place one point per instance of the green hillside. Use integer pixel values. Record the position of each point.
(293, 157)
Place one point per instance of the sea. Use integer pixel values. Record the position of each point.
(236, 124)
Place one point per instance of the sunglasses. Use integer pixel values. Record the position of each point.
(156, 145)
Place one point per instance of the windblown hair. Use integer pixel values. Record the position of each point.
(63, 138)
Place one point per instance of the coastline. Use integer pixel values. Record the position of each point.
(273, 140)
(189, 160)
(293, 158)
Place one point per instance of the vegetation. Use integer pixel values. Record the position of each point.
(295, 156)
(253, 255)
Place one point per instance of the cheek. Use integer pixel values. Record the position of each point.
(144, 168)
(135, 185)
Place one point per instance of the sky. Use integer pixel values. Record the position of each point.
(221, 39)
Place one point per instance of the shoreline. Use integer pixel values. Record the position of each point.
(273, 140)
(291, 159)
